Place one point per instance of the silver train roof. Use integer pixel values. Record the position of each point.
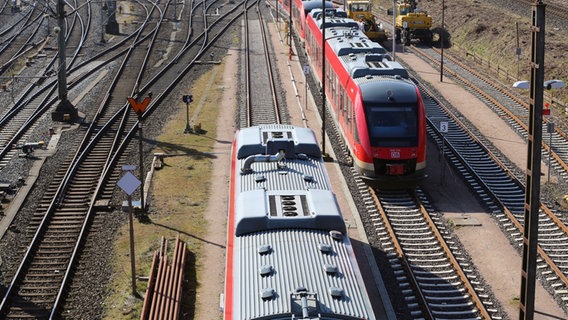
(280, 273)
(361, 56)
(283, 182)
(292, 253)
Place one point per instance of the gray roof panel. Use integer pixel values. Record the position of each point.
(295, 259)
(312, 209)
(268, 139)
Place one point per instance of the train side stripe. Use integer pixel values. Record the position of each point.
(228, 312)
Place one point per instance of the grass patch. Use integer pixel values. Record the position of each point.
(180, 191)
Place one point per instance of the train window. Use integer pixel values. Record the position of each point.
(355, 128)
(393, 125)
(333, 91)
(341, 99)
(349, 108)
(326, 76)
(336, 89)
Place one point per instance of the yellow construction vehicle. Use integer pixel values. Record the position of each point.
(360, 10)
(411, 23)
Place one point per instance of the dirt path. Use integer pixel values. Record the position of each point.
(212, 277)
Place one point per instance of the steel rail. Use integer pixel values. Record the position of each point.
(43, 226)
(503, 204)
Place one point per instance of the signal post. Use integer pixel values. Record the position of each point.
(140, 108)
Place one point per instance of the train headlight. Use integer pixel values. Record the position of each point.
(390, 96)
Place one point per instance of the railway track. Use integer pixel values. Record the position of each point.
(59, 228)
(22, 34)
(499, 185)
(552, 8)
(152, 83)
(510, 108)
(436, 277)
(262, 105)
(18, 120)
(83, 187)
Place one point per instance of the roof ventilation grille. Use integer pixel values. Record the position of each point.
(291, 212)
(289, 208)
(277, 134)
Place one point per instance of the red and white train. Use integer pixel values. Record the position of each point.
(378, 109)
(300, 11)
(288, 252)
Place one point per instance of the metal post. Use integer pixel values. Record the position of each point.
(534, 139)
(103, 11)
(550, 130)
(175, 11)
(188, 98)
(64, 110)
(62, 66)
(442, 44)
(187, 127)
(290, 29)
(306, 91)
(518, 52)
(323, 77)
(132, 257)
(443, 166)
(394, 30)
(403, 36)
(142, 205)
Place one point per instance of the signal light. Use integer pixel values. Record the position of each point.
(546, 109)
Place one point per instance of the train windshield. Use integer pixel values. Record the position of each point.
(393, 125)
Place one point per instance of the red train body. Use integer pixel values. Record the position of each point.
(378, 109)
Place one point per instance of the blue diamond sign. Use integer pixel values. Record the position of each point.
(128, 183)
